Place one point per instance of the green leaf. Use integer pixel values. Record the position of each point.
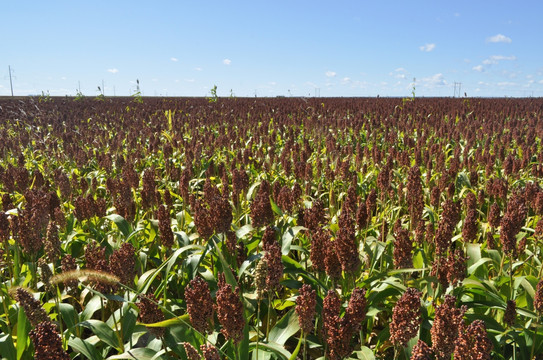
(295, 268)
(128, 321)
(287, 238)
(68, 315)
(285, 328)
(294, 355)
(474, 253)
(177, 253)
(179, 320)
(247, 263)
(137, 353)
(7, 348)
(272, 347)
(473, 268)
(121, 223)
(365, 353)
(244, 230)
(229, 277)
(103, 331)
(92, 306)
(23, 327)
(275, 208)
(85, 348)
(147, 278)
(251, 190)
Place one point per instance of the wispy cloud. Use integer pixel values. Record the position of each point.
(399, 73)
(494, 59)
(330, 73)
(499, 39)
(427, 47)
(174, 59)
(198, 68)
(434, 80)
(227, 61)
(113, 71)
(478, 68)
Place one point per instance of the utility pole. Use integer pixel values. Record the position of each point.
(459, 84)
(10, 81)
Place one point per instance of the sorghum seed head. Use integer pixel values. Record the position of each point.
(210, 352)
(473, 342)
(229, 310)
(47, 342)
(406, 317)
(191, 352)
(32, 307)
(305, 308)
(261, 273)
(510, 313)
(199, 304)
(150, 313)
(421, 351)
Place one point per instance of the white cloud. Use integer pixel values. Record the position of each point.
(113, 71)
(198, 69)
(499, 39)
(330, 73)
(434, 80)
(190, 80)
(540, 82)
(399, 73)
(227, 61)
(494, 59)
(427, 47)
(501, 57)
(478, 68)
(174, 59)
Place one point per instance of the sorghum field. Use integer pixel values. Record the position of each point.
(284, 228)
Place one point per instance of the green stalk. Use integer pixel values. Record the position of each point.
(537, 321)
(304, 337)
(8, 259)
(118, 331)
(6, 311)
(33, 271)
(511, 277)
(57, 304)
(257, 327)
(102, 309)
(269, 315)
(535, 336)
(128, 302)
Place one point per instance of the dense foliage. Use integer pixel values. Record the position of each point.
(271, 228)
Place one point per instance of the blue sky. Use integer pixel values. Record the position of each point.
(270, 48)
